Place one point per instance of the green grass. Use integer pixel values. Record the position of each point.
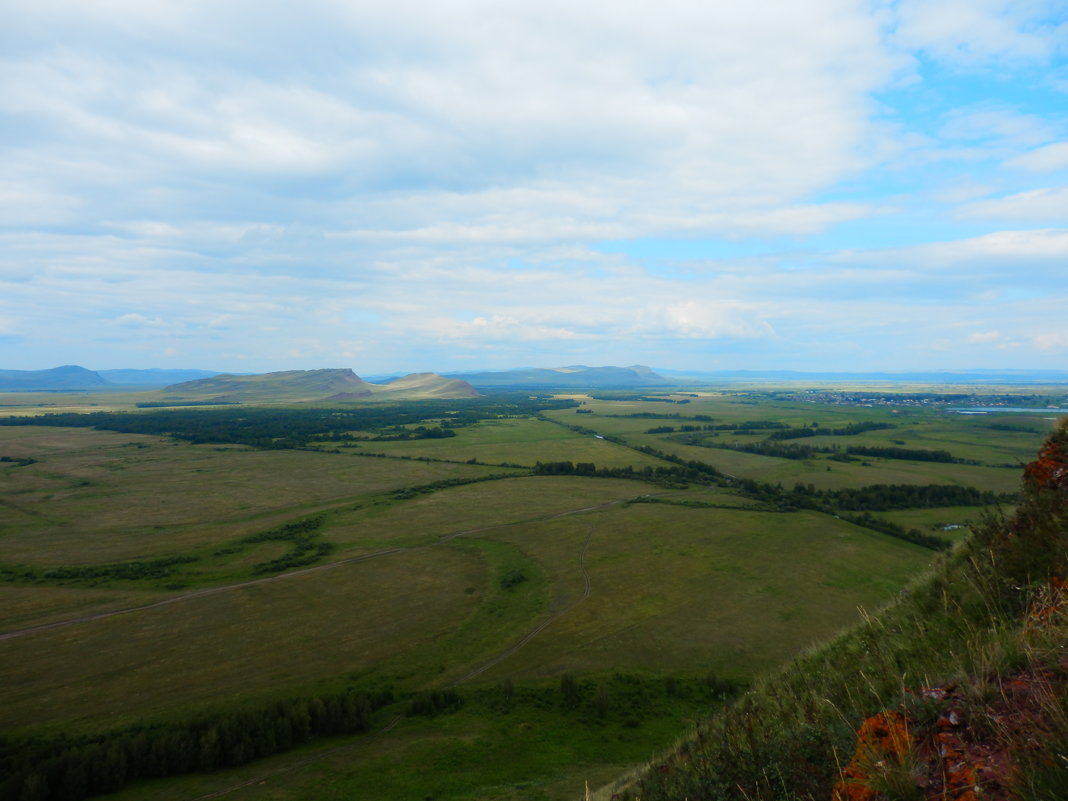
(932, 521)
(751, 588)
(653, 589)
(242, 643)
(965, 437)
(33, 605)
(96, 496)
(747, 589)
(524, 442)
(475, 507)
(530, 748)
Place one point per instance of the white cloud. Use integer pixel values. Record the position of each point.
(976, 32)
(1051, 341)
(134, 320)
(1047, 204)
(1043, 159)
(707, 320)
(989, 267)
(987, 122)
(669, 118)
(356, 180)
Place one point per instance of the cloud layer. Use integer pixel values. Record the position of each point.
(426, 186)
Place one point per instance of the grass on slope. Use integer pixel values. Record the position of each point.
(969, 625)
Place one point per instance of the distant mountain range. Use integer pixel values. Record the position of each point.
(574, 377)
(343, 384)
(154, 377)
(68, 376)
(71, 377)
(206, 386)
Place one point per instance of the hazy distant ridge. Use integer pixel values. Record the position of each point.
(348, 386)
(73, 377)
(153, 377)
(68, 376)
(575, 377)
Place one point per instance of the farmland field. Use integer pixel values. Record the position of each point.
(576, 583)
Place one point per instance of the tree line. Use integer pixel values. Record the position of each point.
(282, 428)
(849, 430)
(791, 450)
(71, 767)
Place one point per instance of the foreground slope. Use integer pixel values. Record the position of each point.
(958, 689)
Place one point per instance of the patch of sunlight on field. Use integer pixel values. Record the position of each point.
(245, 642)
(702, 589)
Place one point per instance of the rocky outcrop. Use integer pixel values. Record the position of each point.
(963, 743)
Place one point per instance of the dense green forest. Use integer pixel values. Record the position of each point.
(280, 428)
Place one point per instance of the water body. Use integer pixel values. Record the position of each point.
(996, 409)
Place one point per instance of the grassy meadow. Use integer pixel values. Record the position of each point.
(574, 622)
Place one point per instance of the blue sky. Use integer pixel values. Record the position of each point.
(806, 184)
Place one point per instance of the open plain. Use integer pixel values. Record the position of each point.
(570, 586)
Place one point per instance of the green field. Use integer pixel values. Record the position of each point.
(148, 581)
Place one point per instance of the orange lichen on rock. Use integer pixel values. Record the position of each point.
(960, 769)
(1050, 469)
(950, 758)
(882, 738)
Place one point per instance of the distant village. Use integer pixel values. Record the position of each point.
(927, 399)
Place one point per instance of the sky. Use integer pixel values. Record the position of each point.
(488, 184)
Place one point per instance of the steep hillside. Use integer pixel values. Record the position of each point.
(313, 385)
(958, 690)
(67, 377)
